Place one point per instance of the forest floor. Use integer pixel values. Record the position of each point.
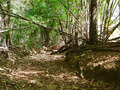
(46, 72)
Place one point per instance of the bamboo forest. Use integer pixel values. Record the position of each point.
(59, 45)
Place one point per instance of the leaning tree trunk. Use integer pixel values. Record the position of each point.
(93, 22)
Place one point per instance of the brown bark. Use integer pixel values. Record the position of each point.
(8, 40)
(93, 23)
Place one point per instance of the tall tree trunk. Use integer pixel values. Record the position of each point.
(47, 34)
(93, 22)
(47, 37)
(8, 40)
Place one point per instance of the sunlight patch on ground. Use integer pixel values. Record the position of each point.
(64, 76)
(108, 62)
(24, 75)
(29, 72)
(1, 69)
(46, 57)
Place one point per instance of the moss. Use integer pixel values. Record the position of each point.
(72, 61)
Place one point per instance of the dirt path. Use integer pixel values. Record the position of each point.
(43, 72)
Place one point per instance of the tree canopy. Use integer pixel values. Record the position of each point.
(33, 23)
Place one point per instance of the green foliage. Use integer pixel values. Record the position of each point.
(44, 10)
(73, 15)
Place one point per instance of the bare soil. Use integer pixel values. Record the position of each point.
(51, 72)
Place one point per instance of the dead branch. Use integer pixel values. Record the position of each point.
(1, 31)
(112, 30)
(114, 39)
